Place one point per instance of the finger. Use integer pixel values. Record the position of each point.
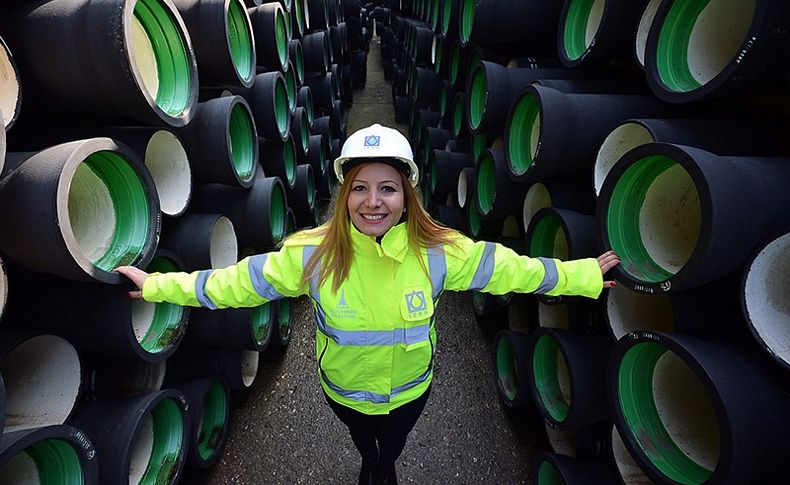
(609, 265)
(136, 294)
(609, 284)
(608, 257)
(606, 254)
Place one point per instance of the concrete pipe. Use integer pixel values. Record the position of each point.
(270, 106)
(279, 159)
(567, 377)
(561, 234)
(42, 380)
(318, 13)
(467, 184)
(222, 142)
(221, 34)
(643, 29)
(140, 440)
(690, 203)
(291, 87)
(322, 88)
(445, 168)
(480, 227)
(299, 20)
(282, 336)
(10, 90)
(497, 194)
(296, 56)
(512, 365)
(587, 442)
(554, 469)
(593, 32)
(235, 328)
(3, 289)
(448, 24)
(303, 198)
(523, 23)
(300, 134)
(49, 454)
(685, 409)
(737, 137)
(317, 158)
(202, 241)
(304, 98)
(629, 471)
(271, 35)
(453, 217)
(316, 51)
(237, 367)
(708, 50)
(60, 193)
(207, 420)
(138, 51)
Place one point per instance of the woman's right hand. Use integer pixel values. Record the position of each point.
(137, 276)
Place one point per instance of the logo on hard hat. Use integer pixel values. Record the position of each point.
(372, 140)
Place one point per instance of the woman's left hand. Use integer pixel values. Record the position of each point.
(607, 261)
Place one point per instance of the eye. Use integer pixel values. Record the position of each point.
(389, 188)
(358, 188)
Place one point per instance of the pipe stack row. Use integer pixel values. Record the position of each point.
(172, 135)
(658, 129)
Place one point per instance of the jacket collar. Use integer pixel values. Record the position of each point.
(394, 244)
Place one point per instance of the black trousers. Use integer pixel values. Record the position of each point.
(380, 438)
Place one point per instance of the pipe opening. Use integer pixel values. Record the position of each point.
(552, 381)
(289, 160)
(478, 145)
(654, 218)
(157, 326)
(157, 448)
(475, 221)
(519, 318)
(553, 316)
(284, 319)
(628, 311)
(562, 442)
(304, 133)
(47, 461)
(42, 382)
(290, 88)
(108, 210)
(458, 116)
(281, 36)
(277, 211)
(432, 171)
(9, 87)
(549, 239)
(507, 367)
(443, 95)
(645, 22)
(261, 319)
(3, 288)
(311, 190)
(524, 134)
(249, 366)
(281, 105)
(478, 96)
(168, 163)
(680, 436)
(536, 199)
(240, 41)
(455, 63)
(159, 57)
(467, 14)
(461, 190)
(626, 466)
(486, 183)
(549, 475)
(767, 305)
(582, 21)
(243, 139)
(299, 65)
(622, 139)
(223, 247)
(698, 40)
(212, 421)
(448, 12)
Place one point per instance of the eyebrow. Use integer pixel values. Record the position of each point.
(382, 182)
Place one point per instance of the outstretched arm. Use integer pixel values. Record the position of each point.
(137, 276)
(607, 261)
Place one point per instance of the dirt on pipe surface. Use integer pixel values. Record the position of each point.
(282, 430)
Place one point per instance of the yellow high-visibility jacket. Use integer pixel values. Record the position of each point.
(375, 337)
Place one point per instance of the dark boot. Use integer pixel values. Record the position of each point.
(387, 475)
(368, 474)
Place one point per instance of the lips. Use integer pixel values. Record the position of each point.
(373, 218)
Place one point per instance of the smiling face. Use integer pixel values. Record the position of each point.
(375, 201)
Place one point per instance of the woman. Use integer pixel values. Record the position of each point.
(375, 272)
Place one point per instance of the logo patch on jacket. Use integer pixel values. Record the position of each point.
(342, 310)
(415, 302)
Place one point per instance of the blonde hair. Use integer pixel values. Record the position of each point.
(335, 252)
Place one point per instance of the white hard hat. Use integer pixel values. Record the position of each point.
(377, 141)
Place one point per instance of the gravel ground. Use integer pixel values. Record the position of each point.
(282, 431)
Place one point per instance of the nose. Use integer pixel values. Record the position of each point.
(373, 199)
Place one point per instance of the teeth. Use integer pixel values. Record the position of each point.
(374, 217)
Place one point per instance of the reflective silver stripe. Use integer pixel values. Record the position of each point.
(437, 267)
(200, 290)
(307, 253)
(262, 287)
(551, 277)
(375, 398)
(406, 336)
(485, 268)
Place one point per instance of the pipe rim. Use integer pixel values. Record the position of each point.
(446, 14)
(289, 160)
(628, 311)
(281, 37)
(636, 399)
(238, 30)
(289, 77)
(277, 207)
(548, 237)
(486, 183)
(444, 94)
(10, 87)
(645, 22)
(548, 474)
(3, 288)
(168, 162)
(242, 138)
(113, 182)
(213, 422)
(166, 326)
(478, 96)
(433, 171)
(536, 198)
(168, 444)
(304, 132)
(173, 87)
(479, 142)
(52, 460)
(223, 245)
(506, 368)
(455, 63)
(461, 190)
(475, 220)
(638, 188)
(284, 319)
(548, 365)
(458, 116)
(627, 135)
(682, 31)
(466, 20)
(282, 108)
(523, 136)
(581, 24)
